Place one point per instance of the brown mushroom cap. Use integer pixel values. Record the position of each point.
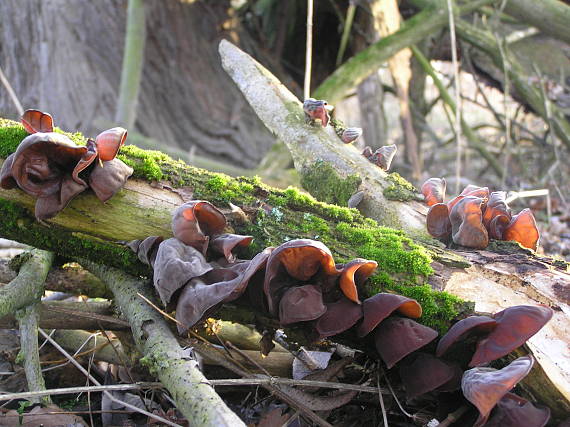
(301, 259)
(225, 243)
(340, 316)
(383, 156)
(300, 304)
(466, 223)
(49, 206)
(523, 229)
(434, 190)
(515, 325)
(459, 331)
(37, 121)
(497, 227)
(355, 272)
(396, 337)
(146, 249)
(107, 179)
(202, 295)
(426, 373)
(484, 387)
(316, 109)
(496, 205)
(515, 411)
(86, 160)
(437, 221)
(350, 135)
(109, 142)
(380, 306)
(475, 191)
(194, 221)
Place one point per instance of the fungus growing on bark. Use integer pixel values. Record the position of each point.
(339, 317)
(300, 304)
(46, 165)
(316, 109)
(396, 337)
(515, 325)
(484, 387)
(350, 135)
(224, 244)
(472, 325)
(109, 142)
(382, 157)
(515, 411)
(475, 191)
(426, 373)
(496, 206)
(380, 306)
(466, 223)
(434, 191)
(353, 274)
(523, 229)
(438, 223)
(194, 222)
(146, 249)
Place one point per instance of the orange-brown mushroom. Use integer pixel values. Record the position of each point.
(484, 387)
(466, 223)
(37, 121)
(380, 306)
(194, 222)
(496, 206)
(355, 273)
(475, 191)
(109, 142)
(434, 191)
(515, 325)
(438, 223)
(523, 229)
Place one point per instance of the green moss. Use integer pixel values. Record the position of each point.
(146, 163)
(322, 181)
(400, 189)
(338, 126)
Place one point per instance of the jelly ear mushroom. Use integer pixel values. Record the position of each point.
(299, 259)
(472, 325)
(515, 325)
(380, 306)
(108, 178)
(355, 273)
(426, 373)
(194, 221)
(109, 142)
(383, 156)
(466, 223)
(523, 229)
(496, 206)
(485, 387)
(515, 411)
(226, 243)
(300, 304)
(37, 121)
(434, 191)
(350, 135)
(316, 109)
(438, 222)
(475, 191)
(339, 317)
(396, 337)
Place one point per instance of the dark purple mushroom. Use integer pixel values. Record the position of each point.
(515, 325)
(108, 178)
(146, 249)
(224, 244)
(380, 306)
(396, 337)
(339, 317)
(515, 411)
(472, 325)
(426, 373)
(301, 304)
(484, 387)
(194, 222)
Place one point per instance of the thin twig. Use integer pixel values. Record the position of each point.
(11, 93)
(346, 31)
(384, 415)
(108, 394)
(453, 416)
(308, 50)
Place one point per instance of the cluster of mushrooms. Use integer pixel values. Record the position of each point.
(52, 168)
(475, 216)
(298, 282)
(317, 112)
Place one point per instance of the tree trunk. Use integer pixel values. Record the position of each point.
(68, 62)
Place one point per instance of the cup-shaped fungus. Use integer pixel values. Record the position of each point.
(515, 411)
(339, 317)
(298, 260)
(383, 156)
(108, 178)
(426, 373)
(438, 222)
(204, 294)
(466, 223)
(485, 387)
(396, 337)
(109, 142)
(146, 249)
(300, 304)
(194, 222)
(225, 244)
(496, 206)
(523, 229)
(350, 135)
(472, 325)
(515, 325)
(353, 274)
(434, 191)
(475, 191)
(380, 306)
(37, 121)
(316, 109)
